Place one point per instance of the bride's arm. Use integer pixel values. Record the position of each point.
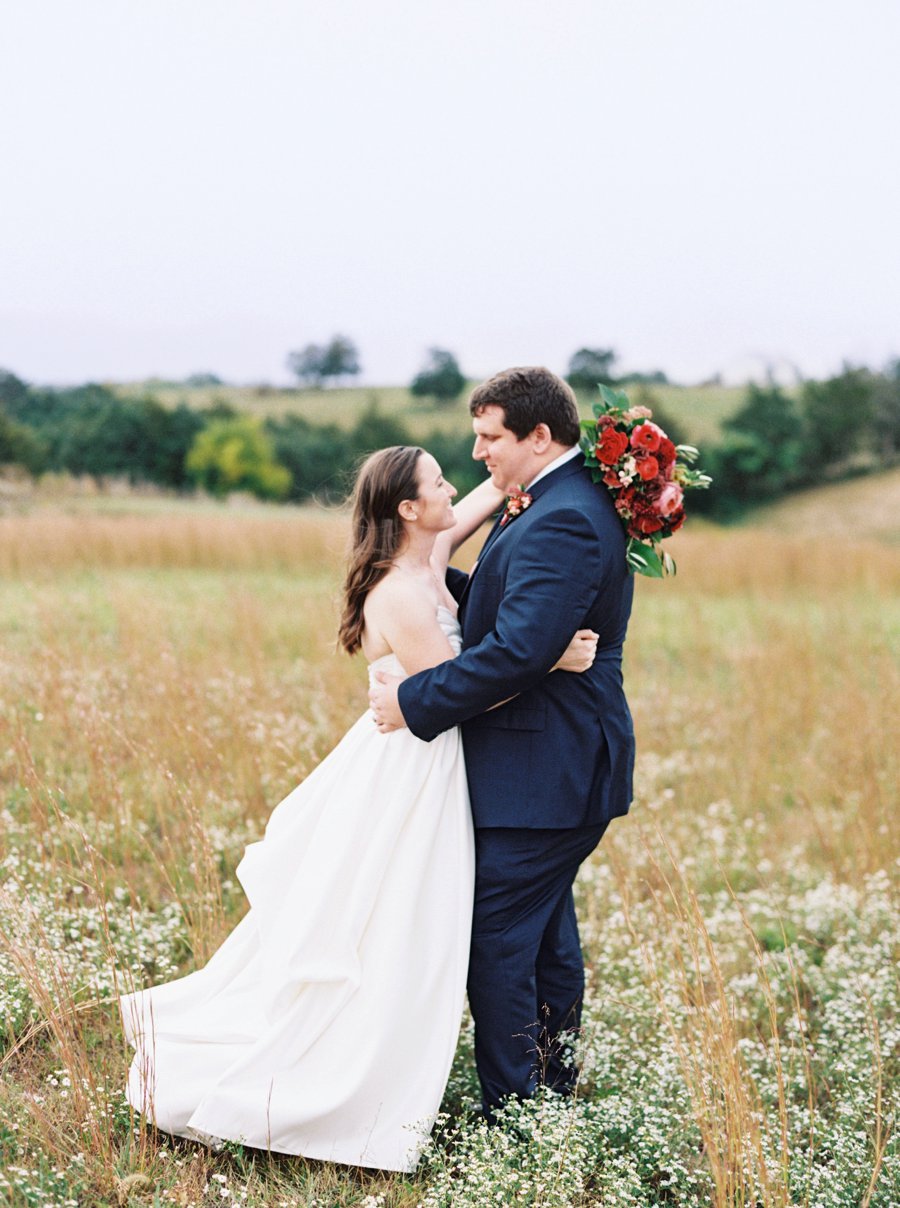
(470, 513)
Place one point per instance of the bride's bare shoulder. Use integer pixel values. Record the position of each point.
(398, 598)
(397, 591)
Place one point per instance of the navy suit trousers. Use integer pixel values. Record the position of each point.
(526, 973)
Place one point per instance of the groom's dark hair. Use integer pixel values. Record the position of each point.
(530, 395)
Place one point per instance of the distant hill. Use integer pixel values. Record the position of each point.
(698, 409)
(860, 507)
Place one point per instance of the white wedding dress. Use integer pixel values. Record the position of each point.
(326, 1023)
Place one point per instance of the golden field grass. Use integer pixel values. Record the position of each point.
(167, 677)
(869, 504)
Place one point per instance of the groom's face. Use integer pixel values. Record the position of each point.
(512, 462)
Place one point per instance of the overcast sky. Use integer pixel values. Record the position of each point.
(205, 184)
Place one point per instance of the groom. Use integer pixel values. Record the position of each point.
(548, 769)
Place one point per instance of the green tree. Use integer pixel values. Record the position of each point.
(590, 367)
(341, 359)
(306, 364)
(20, 445)
(13, 391)
(314, 364)
(375, 430)
(649, 377)
(237, 455)
(453, 452)
(440, 378)
(318, 456)
(838, 415)
(203, 379)
(766, 437)
(886, 413)
(759, 457)
(170, 436)
(92, 431)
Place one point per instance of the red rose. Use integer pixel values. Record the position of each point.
(648, 467)
(648, 524)
(666, 453)
(647, 436)
(610, 447)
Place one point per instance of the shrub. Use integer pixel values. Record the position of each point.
(237, 455)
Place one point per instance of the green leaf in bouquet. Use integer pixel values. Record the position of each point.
(669, 563)
(643, 559)
(692, 478)
(687, 452)
(610, 400)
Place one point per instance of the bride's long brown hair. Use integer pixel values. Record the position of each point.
(385, 479)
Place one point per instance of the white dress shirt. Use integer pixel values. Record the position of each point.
(555, 464)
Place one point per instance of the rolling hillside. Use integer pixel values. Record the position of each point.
(861, 507)
(699, 409)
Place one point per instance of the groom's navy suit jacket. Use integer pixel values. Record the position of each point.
(561, 754)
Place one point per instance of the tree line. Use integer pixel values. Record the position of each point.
(774, 443)
(317, 365)
(440, 377)
(92, 430)
(777, 442)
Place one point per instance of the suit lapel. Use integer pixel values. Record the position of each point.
(573, 466)
(488, 541)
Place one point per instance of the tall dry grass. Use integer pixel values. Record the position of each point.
(165, 680)
(47, 541)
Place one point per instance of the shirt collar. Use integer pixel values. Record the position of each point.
(555, 464)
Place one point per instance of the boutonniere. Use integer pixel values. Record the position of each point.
(516, 503)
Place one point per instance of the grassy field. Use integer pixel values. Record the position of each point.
(169, 675)
(700, 409)
(870, 504)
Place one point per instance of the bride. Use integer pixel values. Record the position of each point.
(326, 1023)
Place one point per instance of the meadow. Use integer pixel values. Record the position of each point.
(699, 409)
(168, 674)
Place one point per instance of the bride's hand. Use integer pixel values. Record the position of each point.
(579, 655)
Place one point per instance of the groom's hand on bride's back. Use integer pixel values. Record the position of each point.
(384, 703)
(580, 653)
(383, 699)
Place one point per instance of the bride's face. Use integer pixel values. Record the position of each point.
(434, 506)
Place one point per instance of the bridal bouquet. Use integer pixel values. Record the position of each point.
(646, 474)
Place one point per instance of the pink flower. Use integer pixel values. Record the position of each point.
(647, 436)
(670, 498)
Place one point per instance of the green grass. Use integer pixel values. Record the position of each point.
(700, 409)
